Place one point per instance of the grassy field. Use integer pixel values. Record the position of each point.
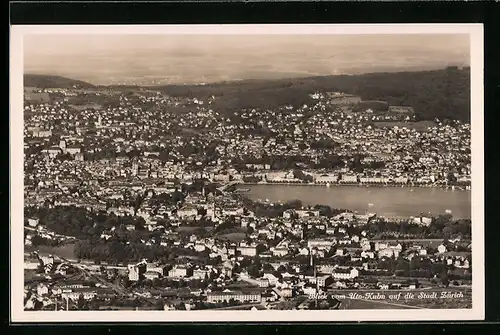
(65, 251)
(234, 236)
(31, 96)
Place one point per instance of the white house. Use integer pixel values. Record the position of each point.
(345, 273)
(441, 249)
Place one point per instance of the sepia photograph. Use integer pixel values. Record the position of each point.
(247, 173)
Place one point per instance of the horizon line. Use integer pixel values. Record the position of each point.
(236, 80)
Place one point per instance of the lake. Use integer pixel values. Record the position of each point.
(385, 201)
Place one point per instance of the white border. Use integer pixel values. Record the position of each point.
(475, 31)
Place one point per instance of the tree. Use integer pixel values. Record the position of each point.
(81, 302)
(260, 248)
(444, 277)
(159, 305)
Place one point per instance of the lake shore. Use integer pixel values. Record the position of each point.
(391, 202)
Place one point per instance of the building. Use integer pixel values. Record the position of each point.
(441, 248)
(422, 221)
(263, 282)
(286, 292)
(42, 133)
(246, 250)
(201, 273)
(347, 178)
(272, 279)
(320, 243)
(199, 246)
(345, 273)
(327, 179)
(325, 268)
(307, 213)
(187, 212)
(324, 281)
(288, 214)
(42, 289)
(281, 249)
(240, 296)
(52, 152)
(136, 271)
(62, 145)
(386, 253)
(79, 157)
(151, 275)
(33, 222)
(180, 271)
(74, 294)
(73, 150)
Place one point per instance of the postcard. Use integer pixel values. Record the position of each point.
(256, 173)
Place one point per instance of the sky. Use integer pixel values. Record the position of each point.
(178, 59)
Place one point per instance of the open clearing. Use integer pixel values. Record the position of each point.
(235, 236)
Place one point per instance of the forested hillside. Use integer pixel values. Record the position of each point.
(439, 93)
(45, 81)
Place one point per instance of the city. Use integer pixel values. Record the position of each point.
(185, 174)
(140, 200)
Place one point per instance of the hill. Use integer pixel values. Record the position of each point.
(439, 93)
(46, 81)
